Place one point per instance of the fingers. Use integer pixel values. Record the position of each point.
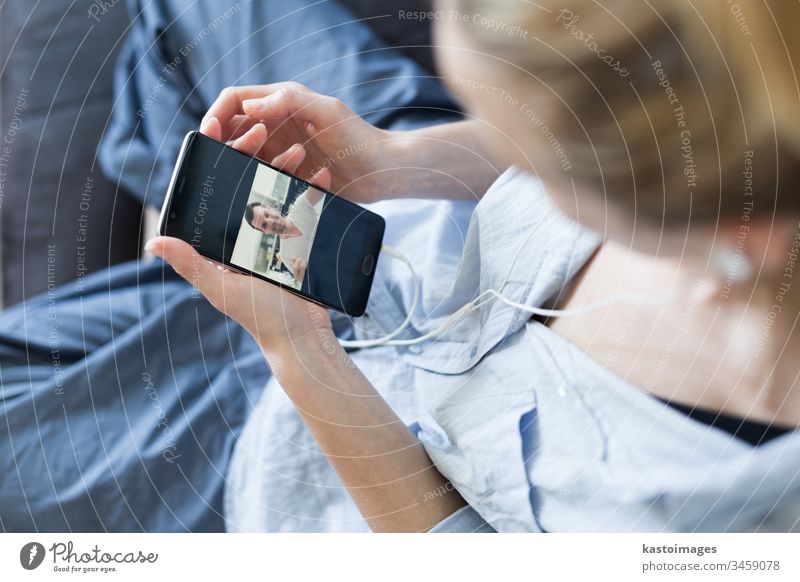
(187, 263)
(239, 125)
(229, 102)
(291, 159)
(318, 110)
(321, 179)
(249, 142)
(210, 126)
(252, 141)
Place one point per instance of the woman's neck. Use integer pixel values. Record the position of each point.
(735, 352)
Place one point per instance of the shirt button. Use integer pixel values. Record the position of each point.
(415, 349)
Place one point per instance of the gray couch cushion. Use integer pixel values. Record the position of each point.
(59, 217)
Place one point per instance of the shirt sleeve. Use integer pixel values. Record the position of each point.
(465, 520)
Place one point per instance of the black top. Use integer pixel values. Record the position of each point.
(750, 431)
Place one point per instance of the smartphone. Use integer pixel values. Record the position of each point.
(260, 221)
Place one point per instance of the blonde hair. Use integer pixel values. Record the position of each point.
(676, 108)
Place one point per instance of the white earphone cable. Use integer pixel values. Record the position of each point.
(483, 299)
(389, 251)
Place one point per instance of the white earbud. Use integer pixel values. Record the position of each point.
(731, 263)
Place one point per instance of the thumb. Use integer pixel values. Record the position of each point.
(186, 261)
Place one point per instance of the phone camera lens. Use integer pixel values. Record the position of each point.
(173, 215)
(367, 265)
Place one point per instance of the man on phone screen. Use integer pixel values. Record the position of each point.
(295, 230)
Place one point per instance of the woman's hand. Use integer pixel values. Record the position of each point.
(274, 317)
(368, 164)
(333, 136)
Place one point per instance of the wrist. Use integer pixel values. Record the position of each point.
(306, 363)
(398, 155)
(313, 344)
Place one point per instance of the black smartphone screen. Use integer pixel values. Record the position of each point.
(244, 213)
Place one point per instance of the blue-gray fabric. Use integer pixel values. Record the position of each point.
(465, 520)
(121, 395)
(116, 413)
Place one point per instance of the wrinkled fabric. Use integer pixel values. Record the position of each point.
(122, 394)
(117, 415)
(534, 434)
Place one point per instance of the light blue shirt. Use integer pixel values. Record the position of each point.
(534, 434)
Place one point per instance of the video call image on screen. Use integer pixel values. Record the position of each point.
(278, 227)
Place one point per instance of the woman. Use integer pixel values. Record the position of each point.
(669, 128)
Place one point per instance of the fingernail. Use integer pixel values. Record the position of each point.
(317, 174)
(251, 105)
(150, 245)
